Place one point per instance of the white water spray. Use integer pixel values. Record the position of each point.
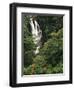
(36, 33)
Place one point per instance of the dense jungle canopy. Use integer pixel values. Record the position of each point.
(49, 60)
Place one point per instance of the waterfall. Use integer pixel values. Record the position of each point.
(36, 33)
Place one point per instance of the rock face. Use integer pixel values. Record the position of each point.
(36, 33)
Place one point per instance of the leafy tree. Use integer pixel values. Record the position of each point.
(53, 48)
(38, 66)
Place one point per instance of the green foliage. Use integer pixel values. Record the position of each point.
(50, 24)
(38, 66)
(39, 60)
(53, 49)
(50, 57)
(28, 70)
(29, 45)
(56, 69)
(40, 63)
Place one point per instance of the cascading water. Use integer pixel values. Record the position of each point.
(36, 33)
